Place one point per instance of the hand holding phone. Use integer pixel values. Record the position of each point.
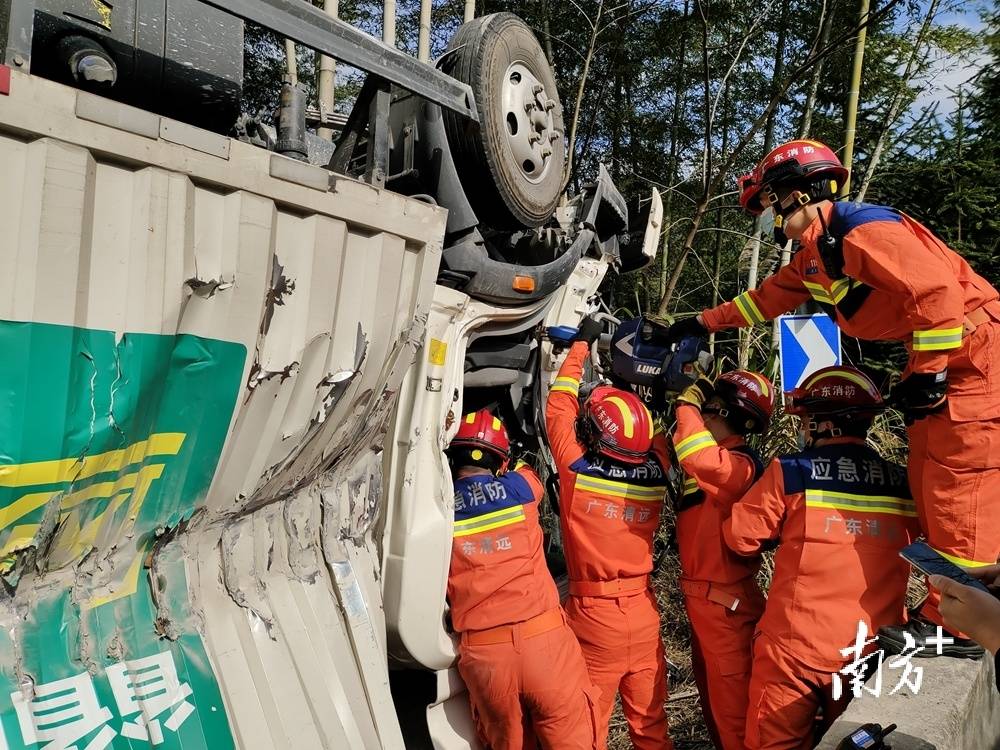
(925, 559)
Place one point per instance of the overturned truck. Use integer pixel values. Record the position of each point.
(230, 352)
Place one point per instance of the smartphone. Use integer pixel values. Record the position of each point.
(926, 560)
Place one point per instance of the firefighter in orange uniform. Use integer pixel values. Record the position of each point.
(520, 661)
(721, 594)
(883, 276)
(841, 514)
(612, 482)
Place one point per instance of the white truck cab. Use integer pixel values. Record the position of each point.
(230, 353)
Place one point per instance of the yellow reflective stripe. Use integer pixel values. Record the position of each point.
(694, 443)
(690, 486)
(840, 373)
(488, 521)
(937, 339)
(566, 385)
(818, 292)
(621, 489)
(896, 506)
(762, 381)
(839, 288)
(965, 562)
(748, 309)
(628, 423)
(74, 469)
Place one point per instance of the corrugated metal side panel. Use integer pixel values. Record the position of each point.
(109, 231)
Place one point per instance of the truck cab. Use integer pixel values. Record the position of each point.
(233, 350)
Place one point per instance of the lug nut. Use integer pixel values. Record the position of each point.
(534, 137)
(537, 88)
(528, 107)
(546, 151)
(554, 136)
(550, 104)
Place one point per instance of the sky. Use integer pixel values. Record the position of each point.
(949, 73)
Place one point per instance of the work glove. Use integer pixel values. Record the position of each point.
(698, 392)
(920, 395)
(589, 330)
(686, 327)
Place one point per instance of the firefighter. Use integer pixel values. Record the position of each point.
(612, 482)
(841, 514)
(520, 661)
(721, 594)
(883, 276)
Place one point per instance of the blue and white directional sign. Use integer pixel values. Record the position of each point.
(807, 343)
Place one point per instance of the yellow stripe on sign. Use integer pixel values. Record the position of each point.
(628, 422)
(129, 584)
(73, 469)
(622, 490)
(694, 443)
(963, 561)
(896, 506)
(937, 340)
(437, 352)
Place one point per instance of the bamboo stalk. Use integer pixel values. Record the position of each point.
(852, 96)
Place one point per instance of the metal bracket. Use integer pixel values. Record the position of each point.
(301, 22)
(17, 23)
(377, 168)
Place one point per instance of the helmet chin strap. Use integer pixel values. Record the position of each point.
(813, 433)
(783, 211)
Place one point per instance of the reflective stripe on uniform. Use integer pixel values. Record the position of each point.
(690, 486)
(937, 339)
(818, 292)
(748, 309)
(623, 490)
(694, 443)
(897, 506)
(839, 289)
(964, 562)
(566, 385)
(489, 521)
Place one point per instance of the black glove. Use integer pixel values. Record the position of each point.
(920, 394)
(589, 330)
(686, 327)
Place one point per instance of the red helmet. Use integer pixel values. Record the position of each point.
(834, 391)
(482, 431)
(751, 394)
(794, 161)
(620, 424)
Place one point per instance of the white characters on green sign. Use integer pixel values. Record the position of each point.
(64, 712)
(150, 686)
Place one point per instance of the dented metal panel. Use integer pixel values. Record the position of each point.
(200, 365)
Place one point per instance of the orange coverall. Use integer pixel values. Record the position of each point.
(842, 514)
(721, 594)
(519, 659)
(902, 283)
(610, 512)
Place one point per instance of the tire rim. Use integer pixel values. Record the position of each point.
(528, 122)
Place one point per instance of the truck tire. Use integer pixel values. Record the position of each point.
(511, 162)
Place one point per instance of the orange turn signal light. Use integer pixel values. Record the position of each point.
(524, 284)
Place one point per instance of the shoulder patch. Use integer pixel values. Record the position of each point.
(795, 469)
(847, 217)
(518, 486)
